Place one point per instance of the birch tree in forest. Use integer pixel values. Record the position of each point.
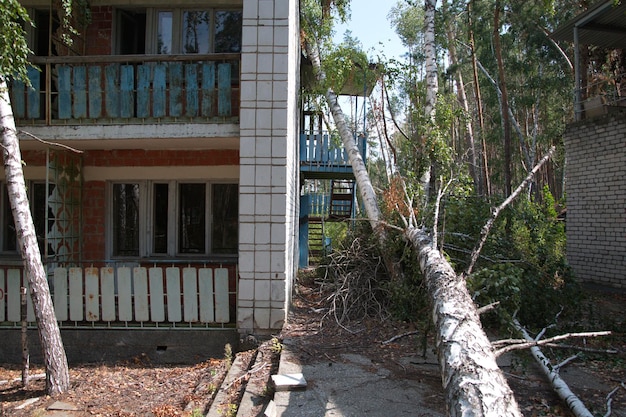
(13, 63)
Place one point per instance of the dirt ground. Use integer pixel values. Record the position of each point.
(138, 388)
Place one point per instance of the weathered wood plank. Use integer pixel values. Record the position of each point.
(14, 282)
(60, 294)
(111, 89)
(95, 91)
(205, 284)
(190, 295)
(107, 286)
(64, 81)
(222, 306)
(124, 294)
(224, 106)
(18, 99)
(158, 91)
(76, 294)
(208, 88)
(92, 294)
(79, 91)
(172, 277)
(191, 90)
(144, 73)
(176, 89)
(157, 305)
(33, 94)
(3, 296)
(127, 91)
(140, 283)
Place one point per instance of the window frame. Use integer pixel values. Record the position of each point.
(147, 219)
(152, 25)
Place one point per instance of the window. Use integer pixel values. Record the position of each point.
(126, 219)
(179, 219)
(189, 31)
(37, 197)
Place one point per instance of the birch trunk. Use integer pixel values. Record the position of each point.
(364, 185)
(473, 383)
(432, 83)
(558, 384)
(57, 372)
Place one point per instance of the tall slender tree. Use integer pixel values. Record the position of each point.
(14, 52)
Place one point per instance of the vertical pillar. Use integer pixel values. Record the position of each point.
(268, 213)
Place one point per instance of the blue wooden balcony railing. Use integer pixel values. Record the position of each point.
(321, 158)
(129, 89)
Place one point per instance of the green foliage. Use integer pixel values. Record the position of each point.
(534, 280)
(13, 46)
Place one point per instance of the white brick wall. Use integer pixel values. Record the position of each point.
(596, 199)
(269, 183)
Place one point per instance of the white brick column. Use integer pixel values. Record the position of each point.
(269, 183)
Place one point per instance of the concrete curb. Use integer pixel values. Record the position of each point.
(219, 406)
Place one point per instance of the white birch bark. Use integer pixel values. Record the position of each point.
(364, 185)
(55, 360)
(432, 83)
(558, 384)
(473, 383)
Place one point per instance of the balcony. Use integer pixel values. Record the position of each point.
(320, 158)
(129, 89)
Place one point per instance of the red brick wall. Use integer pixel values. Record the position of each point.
(94, 220)
(94, 192)
(98, 34)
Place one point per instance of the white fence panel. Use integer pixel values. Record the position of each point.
(172, 276)
(60, 294)
(76, 294)
(190, 295)
(140, 282)
(3, 296)
(157, 296)
(14, 282)
(107, 287)
(92, 294)
(222, 308)
(125, 294)
(205, 285)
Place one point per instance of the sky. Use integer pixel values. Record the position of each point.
(370, 25)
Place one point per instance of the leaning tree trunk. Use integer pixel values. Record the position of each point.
(473, 383)
(364, 185)
(57, 372)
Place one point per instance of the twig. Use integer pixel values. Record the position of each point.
(488, 307)
(69, 148)
(245, 375)
(609, 400)
(496, 211)
(518, 344)
(400, 336)
(567, 361)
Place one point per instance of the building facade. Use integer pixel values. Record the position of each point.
(161, 156)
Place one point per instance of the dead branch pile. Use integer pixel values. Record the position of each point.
(354, 277)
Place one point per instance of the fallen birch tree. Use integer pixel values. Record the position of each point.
(473, 382)
(552, 374)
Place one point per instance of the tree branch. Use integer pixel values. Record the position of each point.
(494, 215)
